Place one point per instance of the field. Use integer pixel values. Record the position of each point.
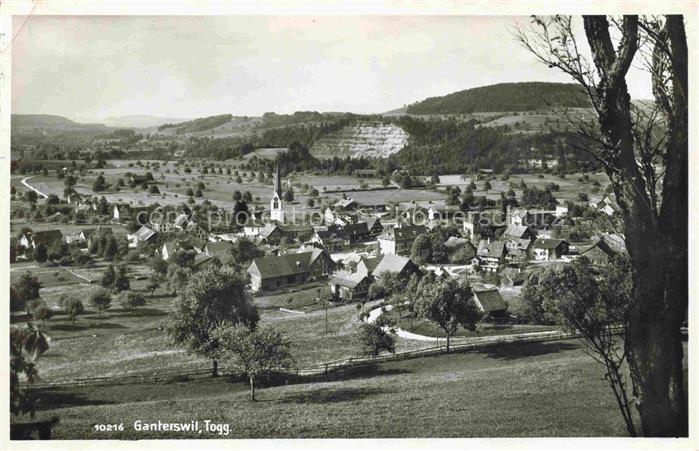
(423, 327)
(536, 390)
(570, 186)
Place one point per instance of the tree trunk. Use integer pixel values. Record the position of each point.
(252, 388)
(656, 241)
(448, 337)
(214, 368)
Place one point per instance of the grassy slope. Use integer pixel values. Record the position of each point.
(549, 389)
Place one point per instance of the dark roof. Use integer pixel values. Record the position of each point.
(516, 231)
(609, 246)
(403, 233)
(547, 243)
(358, 229)
(284, 265)
(219, 249)
(200, 259)
(332, 235)
(297, 228)
(493, 249)
(490, 300)
(369, 263)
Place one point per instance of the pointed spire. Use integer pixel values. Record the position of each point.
(277, 182)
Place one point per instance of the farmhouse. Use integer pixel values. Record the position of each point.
(367, 266)
(402, 266)
(297, 231)
(274, 272)
(517, 231)
(518, 217)
(332, 240)
(517, 250)
(399, 240)
(545, 249)
(142, 235)
(490, 302)
(194, 229)
(350, 286)
(345, 205)
(86, 235)
(491, 255)
(604, 250)
(220, 249)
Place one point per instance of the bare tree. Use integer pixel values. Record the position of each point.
(649, 178)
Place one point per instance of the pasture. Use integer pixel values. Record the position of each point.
(530, 390)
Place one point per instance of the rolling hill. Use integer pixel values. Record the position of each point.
(505, 97)
(50, 122)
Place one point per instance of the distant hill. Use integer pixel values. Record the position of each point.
(140, 121)
(526, 96)
(50, 122)
(197, 125)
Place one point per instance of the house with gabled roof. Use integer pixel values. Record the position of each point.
(517, 231)
(47, 237)
(275, 272)
(399, 240)
(350, 286)
(491, 254)
(546, 249)
(402, 266)
(142, 235)
(604, 250)
(490, 302)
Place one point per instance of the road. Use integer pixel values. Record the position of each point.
(24, 182)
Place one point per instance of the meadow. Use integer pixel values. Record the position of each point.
(529, 390)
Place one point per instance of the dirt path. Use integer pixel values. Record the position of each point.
(24, 182)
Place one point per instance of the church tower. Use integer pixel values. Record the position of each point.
(276, 206)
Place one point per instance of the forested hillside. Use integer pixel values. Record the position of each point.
(527, 96)
(197, 125)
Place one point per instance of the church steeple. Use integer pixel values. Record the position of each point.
(277, 182)
(276, 205)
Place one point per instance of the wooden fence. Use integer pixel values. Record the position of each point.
(326, 368)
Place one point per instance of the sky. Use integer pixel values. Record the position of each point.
(92, 67)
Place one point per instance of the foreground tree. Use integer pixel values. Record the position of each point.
(649, 179)
(26, 345)
(373, 340)
(216, 296)
(257, 351)
(447, 303)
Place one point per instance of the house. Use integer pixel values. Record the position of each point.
(194, 229)
(201, 261)
(338, 218)
(460, 250)
(546, 249)
(137, 179)
(517, 231)
(442, 213)
(86, 235)
(399, 240)
(357, 232)
(416, 215)
(490, 302)
(517, 250)
(142, 235)
(332, 240)
(181, 221)
(47, 237)
(518, 217)
(345, 205)
(271, 233)
(220, 250)
(168, 249)
(403, 266)
(350, 286)
(375, 227)
(491, 255)
(367, 266)
(300, 232)
(604, 250)
(120, 213)
(471, 223)
(274, 272)
(561, 211)
(512, 277)
(607, 206)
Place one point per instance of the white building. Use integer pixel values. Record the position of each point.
(276, 205)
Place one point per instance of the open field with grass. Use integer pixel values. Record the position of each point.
(536, 390)
(421, 326)
(304, 298)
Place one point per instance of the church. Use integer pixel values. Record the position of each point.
(276, 205)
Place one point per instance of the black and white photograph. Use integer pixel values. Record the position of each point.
(349, 221)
